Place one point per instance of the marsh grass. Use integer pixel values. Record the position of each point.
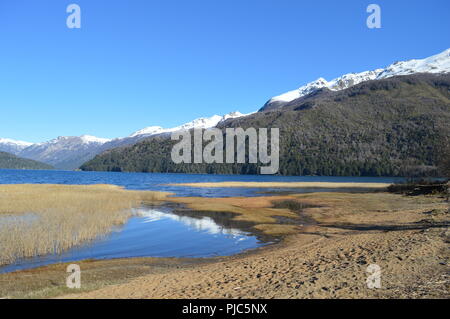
(63, 216)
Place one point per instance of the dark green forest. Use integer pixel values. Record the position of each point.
(10, 161)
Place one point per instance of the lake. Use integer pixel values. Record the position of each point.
(161, 231)
(158, 181)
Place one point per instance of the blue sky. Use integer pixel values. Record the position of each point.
(139, 63)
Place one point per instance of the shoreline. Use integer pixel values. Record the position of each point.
(324, 185)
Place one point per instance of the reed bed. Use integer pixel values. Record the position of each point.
(37, 220)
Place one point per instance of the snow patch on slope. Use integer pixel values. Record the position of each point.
(200, 123)
(93, 139)
(14, 142)
(439, 63)
(13, 146)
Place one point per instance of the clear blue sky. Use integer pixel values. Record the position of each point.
(138, 63)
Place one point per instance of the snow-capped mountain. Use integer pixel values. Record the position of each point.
(89, 139)
(439, 63)
(12, 146)
(203, 123)
(64, 152)
(151, 130)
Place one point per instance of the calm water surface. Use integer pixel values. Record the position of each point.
(159, 181)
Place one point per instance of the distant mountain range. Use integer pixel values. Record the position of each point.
(71, 152)
(13, 146)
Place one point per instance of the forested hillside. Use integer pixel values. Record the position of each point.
(390, 127)
(10, 161)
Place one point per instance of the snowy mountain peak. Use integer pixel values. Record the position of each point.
(14, 142)
(232, 115)
(94, 139)
(13, 146)
(302, 91)
(439, 63)
(151, 130)
(83, 139)
(204, 123)
(65, 152)
(348, 80)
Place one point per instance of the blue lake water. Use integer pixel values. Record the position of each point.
(159, 181)
(158, 232)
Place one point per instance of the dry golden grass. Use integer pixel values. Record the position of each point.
(258, 210)
(287, 185)
(44, 219)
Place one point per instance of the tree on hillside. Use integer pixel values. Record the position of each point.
(444, 159)
(444, 164)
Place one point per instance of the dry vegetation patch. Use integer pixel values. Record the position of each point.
(329, 185)
(264, 212)
(379, 208)
(45, 219)
(255, 209)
